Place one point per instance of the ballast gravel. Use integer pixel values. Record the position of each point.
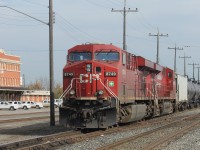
(190, 141)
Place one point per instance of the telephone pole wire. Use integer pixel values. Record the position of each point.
(124, 12)
(184, 57)
(175, 49)
(158, 36)
(198, 73)
(193, 64)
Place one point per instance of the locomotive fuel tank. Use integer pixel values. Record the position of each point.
(133, 113)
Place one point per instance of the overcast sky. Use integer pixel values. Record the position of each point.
(82, 21)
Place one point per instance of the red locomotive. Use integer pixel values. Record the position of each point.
(105, 85)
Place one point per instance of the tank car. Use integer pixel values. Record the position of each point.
(182, 92)
(104, 85)
(193, 93)
(188, 92)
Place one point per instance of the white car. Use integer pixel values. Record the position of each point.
(8, 105)
(58, 102)
(14, 104)
(37, 105)
(23, 105)
(46, 103)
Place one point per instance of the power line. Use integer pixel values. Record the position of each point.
(175, 49)
(184, 57)
(115, 2)
(158, 35)
(67, 23)
(198, 72)
(193, 64)
(25, 14)
(35, 3)
(124, 12)
(96, 4)
(149, 26)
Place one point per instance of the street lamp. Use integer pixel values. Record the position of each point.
(51, 77)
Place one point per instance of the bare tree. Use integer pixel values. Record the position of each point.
(43, 84)
(58, 90)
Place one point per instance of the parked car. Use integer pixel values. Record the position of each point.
(37, 105)
(23, 105)
(8, 105)
(58, 102)
(46, 103)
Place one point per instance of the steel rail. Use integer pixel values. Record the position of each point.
(180, 132)
(54, 141)
(24, 119)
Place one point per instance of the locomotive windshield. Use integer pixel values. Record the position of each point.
(110, 55)
(79, 56)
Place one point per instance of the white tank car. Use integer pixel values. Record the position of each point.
(181, 91)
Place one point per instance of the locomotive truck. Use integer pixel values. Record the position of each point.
(104, 86)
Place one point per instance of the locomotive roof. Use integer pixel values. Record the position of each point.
(95, 47)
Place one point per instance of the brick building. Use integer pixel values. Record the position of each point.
(11, 81)
(10, 76)
(9, 70)
(35, 95)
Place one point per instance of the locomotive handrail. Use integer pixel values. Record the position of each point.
(109, 90)
(68, 88)
(97, 78)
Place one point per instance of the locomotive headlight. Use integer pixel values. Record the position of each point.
(72, 92)
(100, 92)
(88, 67)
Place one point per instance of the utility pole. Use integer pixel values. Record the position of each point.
(184, 57)
(193, 64)
(124, 12)
(198, 73)
(175, 49)
(158, 36)
(51, 75)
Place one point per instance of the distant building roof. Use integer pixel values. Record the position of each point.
(36, 92)
(21, 89)
(8, 57)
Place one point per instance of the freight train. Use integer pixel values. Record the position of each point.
(104, 86)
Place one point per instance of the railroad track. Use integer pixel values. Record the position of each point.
(58, 140)
(24, 119)
(39, 142)
(156, 137)
(31, 113)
